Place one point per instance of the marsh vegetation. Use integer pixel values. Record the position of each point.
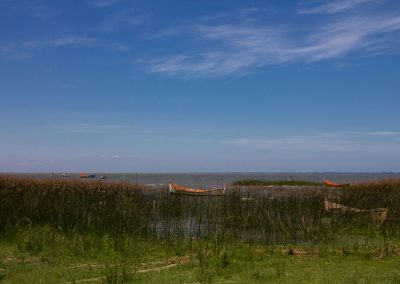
(261, 182)
(120, 232)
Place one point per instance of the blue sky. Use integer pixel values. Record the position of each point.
(166, 86)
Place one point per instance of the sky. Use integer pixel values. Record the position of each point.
(199, 86)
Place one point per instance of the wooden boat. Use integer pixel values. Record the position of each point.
(338, 208)
(333, 184)
(378, 214)
(84, 175)
(181, 189)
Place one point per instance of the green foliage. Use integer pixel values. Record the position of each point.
(201, 261)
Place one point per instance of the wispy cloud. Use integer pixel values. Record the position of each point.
(356, 33)
(120, 19)
(85, 128)
(71, 40)
(42, 10)
(25, 48)
(383, 133)
(12, 52)
(348, 142)
(60, 41)
(104, 3)
(235, 48)
(238, 48)
(336, 6)
(297, 143)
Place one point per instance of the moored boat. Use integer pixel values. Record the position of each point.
(84, 175)
(378, 214)
(333, 184)
(181, 189)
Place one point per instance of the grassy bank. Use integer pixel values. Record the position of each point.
(46, 255)
(59, 231)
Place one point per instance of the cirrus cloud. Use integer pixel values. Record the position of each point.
(238, 48)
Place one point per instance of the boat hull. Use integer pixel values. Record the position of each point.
(87, 176)
(333, 184)
(378, 214)
(179, 189)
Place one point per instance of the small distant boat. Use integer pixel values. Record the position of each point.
(84, 175)
(65, 175)
(333, 184)
(181, 189)
(103, 177)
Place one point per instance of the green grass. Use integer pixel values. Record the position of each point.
(258, 182)
(54, 257)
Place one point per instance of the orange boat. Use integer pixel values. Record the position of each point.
(85, 175)
(333, 184)
(181, 189)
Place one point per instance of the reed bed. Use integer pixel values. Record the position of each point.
(258, 182)
(123, 232)
(251, 214)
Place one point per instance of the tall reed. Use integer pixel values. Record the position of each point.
(256, 214)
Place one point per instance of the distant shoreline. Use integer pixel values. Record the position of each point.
(205, 180)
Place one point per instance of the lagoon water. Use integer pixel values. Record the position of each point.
(218, 179)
